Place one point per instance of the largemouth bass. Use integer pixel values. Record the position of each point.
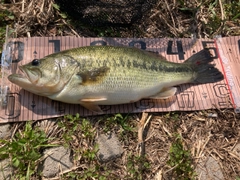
(107, 75)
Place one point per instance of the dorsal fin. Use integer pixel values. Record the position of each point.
(155, 54)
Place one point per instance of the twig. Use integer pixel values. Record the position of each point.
(201, 148)
(15, 130)
(62, 173)
(170, 12)
(23, 2)
(222, 11)
(42, 6)
(233, 154)
(44, 157)
(71, 28)
(214, 150)
(158, 176)
(141, 126)
(164, 128)
(173, 167)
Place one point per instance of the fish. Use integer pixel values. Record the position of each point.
(110, 75)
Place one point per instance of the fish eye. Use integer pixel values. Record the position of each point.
(35, 62)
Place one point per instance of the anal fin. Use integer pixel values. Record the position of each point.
(93, 99)
(165, 93)
(90, 104)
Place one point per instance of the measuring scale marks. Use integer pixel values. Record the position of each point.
(9, 101)
(17, 104)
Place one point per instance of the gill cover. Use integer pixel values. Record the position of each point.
(48, 75)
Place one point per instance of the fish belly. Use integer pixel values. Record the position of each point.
(102, 96)
(117, 88)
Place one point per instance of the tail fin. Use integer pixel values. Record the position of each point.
(204, 72)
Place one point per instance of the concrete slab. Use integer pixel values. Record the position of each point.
(59, 159)
(4, 131)
(5, 169)
(109, 147)
(209, 169)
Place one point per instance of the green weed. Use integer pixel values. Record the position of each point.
(172, 116)
(57, 8)
(90, 174)
(181, 160)
(25, 150)
(6, 18)
(137, 166)
(232, 10)
(213, 17)
(79, 134)
(111, 122)
(124, 125)
(217, 19)
(90, 155)
(76, 126)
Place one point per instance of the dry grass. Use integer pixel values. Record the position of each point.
(153, 135)
(167, 18)
(200, 134)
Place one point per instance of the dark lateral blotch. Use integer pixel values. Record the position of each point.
(94, 75)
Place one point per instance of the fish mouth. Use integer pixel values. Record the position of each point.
(23, 80)
(25, 76)
(32, 75)
(19, 79)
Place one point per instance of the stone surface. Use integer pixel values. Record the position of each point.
(209, 170)
(5, 170)
(4, 130)
(109, 147)
(58, 159)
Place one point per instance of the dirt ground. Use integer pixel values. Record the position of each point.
(196, 133)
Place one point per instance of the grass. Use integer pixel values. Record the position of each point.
(6, 18)
(24, 150)
(79, 134)
(137, 166)
(203, 19)
(180, 160)
(73, 125)
(123, 121)
(167, 19)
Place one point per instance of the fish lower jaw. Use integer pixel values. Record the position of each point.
(19, 79)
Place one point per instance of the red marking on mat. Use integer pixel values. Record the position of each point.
(224, 74)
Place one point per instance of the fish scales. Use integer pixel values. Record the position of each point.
(106, 75)
(138, 76)
(130, 61)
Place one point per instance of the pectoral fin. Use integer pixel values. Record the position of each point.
(165, 93)
(94, 75)
(89, 103)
